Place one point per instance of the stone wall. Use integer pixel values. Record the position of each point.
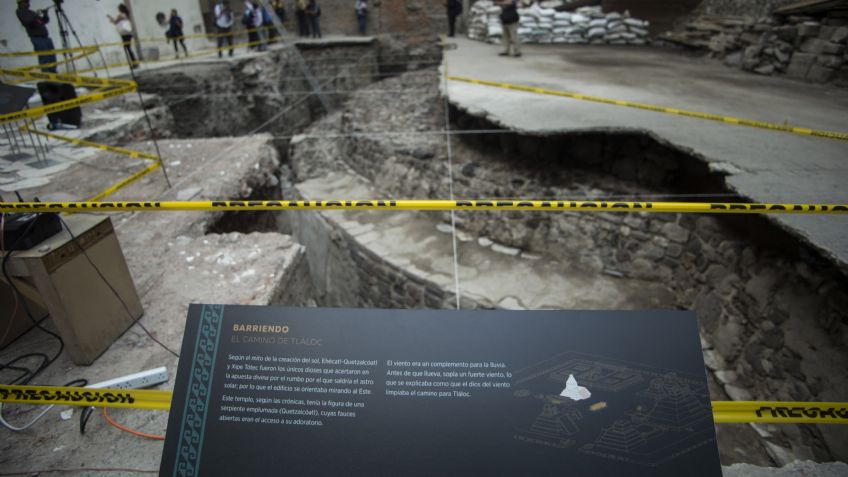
(415, 20)
(751, 8)
(347, 274)
(256, 89)
(806, 48)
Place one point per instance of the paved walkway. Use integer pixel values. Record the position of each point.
(765, 166)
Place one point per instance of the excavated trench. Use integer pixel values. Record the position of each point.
(771, 307)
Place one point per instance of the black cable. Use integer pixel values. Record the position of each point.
(29, 374)
(22, 299)
(84, 415)
(115, 292)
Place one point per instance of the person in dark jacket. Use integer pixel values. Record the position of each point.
(302, 22)
(454, 10)
(175, 32)
(509, 20)
(313, 13)
(34, 23)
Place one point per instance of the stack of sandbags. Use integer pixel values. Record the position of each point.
(541, 24)
(477, 26)
(484, 22)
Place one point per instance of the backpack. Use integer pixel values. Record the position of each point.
(247, 19)
(509, 15)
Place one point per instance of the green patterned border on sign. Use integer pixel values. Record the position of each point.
(193, 425)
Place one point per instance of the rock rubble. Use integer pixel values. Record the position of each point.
(800, 47)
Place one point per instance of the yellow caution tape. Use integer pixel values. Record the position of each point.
(778, 412)
(724, 412)
(17, 54)
(95, 145)
(127, 181)
(76, 396)
(841, 136)
(458, 205)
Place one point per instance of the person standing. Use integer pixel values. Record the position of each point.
(175, 32)
(313, 13)
(300, 13)
(252, 21)
(268, 25)
(34, 23)
(279, 8)
(362, 15)
(124, 26)
(224, 22)
(509, 20)
(454, 10)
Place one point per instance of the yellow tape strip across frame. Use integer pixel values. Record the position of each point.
(724, 412)
(431, 205)
(841, 136)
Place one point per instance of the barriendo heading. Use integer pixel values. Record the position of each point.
(261, 328)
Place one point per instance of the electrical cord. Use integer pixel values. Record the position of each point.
(48, 361)
(115, 292)
(131, 431)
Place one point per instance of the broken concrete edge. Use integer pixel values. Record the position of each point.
(798, 234)
(798, 468)
(330, 41)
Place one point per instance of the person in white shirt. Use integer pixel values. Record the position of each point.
(224, 23)
(253, 13)
(362, 14)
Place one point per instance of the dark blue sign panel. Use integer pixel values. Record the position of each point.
(315, 392)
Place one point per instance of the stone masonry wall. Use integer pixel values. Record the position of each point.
(414, 20)
(751, 8)
(804, 48)
(256, 89)
(347, 274)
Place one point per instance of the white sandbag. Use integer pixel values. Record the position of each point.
(578, 18)
(638, 31)
(598, 23)
(635, 22)
(596, 33)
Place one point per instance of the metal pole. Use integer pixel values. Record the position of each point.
(102, 58)
(38, 136)
(10, 136)
(34, 148)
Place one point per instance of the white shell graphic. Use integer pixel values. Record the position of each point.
(573, 391)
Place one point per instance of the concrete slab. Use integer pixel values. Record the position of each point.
(765, 166)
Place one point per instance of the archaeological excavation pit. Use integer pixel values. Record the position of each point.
(348, 118)
(770, 304)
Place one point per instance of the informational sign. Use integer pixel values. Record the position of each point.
(328, 392)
